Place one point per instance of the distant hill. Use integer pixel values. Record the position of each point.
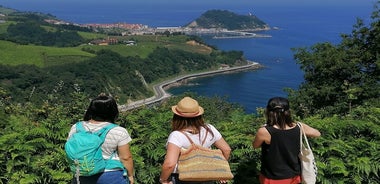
(4, 10)
(227, 20)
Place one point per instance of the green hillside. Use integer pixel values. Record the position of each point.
(22, 32)
(223, 19)
(5, 10)
(26, 38)
(15, 54)
(146, 44)
(39, 56)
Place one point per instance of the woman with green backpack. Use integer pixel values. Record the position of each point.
(97, 148)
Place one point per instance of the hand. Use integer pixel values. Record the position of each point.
(131, 179)
(165, 181)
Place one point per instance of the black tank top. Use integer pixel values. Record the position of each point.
(279, 159)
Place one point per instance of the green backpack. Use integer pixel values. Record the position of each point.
(84, 150)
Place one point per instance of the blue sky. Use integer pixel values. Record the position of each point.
(35, 5)
(258, 2)
(62, 7)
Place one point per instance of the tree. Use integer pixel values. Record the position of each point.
(339, 77)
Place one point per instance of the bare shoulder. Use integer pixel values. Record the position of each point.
(262, 135)
(262, 131)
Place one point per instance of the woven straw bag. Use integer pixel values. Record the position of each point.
(308, 166)
(198, 163)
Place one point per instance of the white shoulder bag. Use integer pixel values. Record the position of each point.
(308, 165)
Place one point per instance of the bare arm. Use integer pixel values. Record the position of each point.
(224, 147)
(262, 136)
(171, 159)
(310, 131)
(126, 158)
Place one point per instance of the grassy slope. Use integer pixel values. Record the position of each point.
(4, 26)
(15, 54)
(147, 43)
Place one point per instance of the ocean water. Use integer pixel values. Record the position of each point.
(298, 27)
(300, 23)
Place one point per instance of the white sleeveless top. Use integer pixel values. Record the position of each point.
(177, 138)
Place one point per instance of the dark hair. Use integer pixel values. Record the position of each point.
(277, 112)
(102, 108)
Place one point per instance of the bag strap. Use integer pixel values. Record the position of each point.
(79, 127)
(303, 136)
(101, 133)
(191, 141)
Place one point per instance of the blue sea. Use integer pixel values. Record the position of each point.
(300, 23)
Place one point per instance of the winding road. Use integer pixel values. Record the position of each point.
(160, 93)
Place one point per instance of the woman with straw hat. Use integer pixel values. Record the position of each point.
(188, 119)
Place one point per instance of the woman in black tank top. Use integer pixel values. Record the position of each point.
(280, 145)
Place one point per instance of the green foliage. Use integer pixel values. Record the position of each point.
(123, 77)
(340, 96)
(340, 77)
(31, 28)
(149, 130)
(32, 141)
(348, 150)
(228, 20)
(32, 33)
(31, 71)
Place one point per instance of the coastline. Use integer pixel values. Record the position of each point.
(243, 36)
(160, 89)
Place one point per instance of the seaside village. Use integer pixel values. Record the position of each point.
(124, 29)
(133, 29)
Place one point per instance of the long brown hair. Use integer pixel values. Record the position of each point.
(180, 123)
(277, 112)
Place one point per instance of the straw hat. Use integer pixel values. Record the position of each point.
(188, 108)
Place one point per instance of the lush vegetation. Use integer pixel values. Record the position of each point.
(29, 29)
(33, 137)
(32, 68)
(124, 77)
(227, 20)
(30, 32)
(340, 77)
(340, 97)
